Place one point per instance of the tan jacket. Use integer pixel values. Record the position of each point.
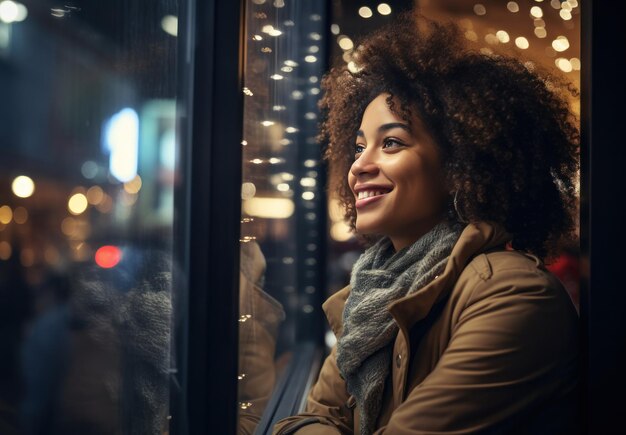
(489, 346)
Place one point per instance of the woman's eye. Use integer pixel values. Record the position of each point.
(390, 142)
(358, 149)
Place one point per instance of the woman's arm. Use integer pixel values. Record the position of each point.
(326, 412)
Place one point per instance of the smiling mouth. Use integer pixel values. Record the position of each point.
(369, 197)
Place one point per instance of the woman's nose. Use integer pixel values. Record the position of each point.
(366, 163)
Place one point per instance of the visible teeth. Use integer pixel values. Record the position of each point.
(369, 193)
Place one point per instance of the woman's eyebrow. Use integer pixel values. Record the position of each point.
(386, 127)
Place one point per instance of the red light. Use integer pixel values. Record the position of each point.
(108, 256)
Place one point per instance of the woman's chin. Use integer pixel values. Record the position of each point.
(367, 229)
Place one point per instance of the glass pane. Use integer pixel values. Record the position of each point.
(89, 171)
(282, 194)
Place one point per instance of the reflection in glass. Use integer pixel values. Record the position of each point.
(87, 181)
(281, 194)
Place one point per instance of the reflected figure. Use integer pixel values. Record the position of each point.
(260, 316)
(99, 362)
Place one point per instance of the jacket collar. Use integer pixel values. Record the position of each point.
(476, 238)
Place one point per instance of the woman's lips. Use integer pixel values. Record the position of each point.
(367, 201)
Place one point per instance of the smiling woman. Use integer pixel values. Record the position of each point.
(396, 176)
(459, 170)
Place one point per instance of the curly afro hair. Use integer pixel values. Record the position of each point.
(508, 139)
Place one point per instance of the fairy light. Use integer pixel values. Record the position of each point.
(384, 9)
(521, 42)
(536, 12)
(512, 7)
(345, 43)
(561, 43)
(503, 36)
(23, 186)
(365, 12)
(479, 9)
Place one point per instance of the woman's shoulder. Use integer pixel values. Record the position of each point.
(515, 275)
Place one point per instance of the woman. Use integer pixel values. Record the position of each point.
(459, 169)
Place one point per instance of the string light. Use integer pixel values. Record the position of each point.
(365, 12)
(23, 186)
(561, 43)
(384, 9)
(522, 42)
(479, 9)
(512, 7)
(536, 12)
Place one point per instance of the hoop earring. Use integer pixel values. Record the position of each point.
(456, 209)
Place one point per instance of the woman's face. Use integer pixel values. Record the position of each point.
(396, 176)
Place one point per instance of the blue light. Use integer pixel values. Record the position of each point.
(122, 141)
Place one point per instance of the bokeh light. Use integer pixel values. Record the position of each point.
(108, 256)
(23, 186)
(77, 203)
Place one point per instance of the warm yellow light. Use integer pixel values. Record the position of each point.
(540, 32)
(6, 214)
(270, 30)
(345, 43)
(248, 190)
(77, 203)
(365, 12)
(563, 64)
(383, 9)
(335, 211)
(276, 77)
(575, 63)
(561, 43)
(5, 250)
(479, 9)
(308, 182)
(308, 195)
(512, 7)
(95, 195)
(471, 35)
(334, 29)
(340, 231)
(23, 186)
(133, 186)
(282, 187)
(503, 36)
(310, 59)
(522, 42)
(20, 215)
(270, 208)
(536, 12)
(565, 14)
(490, 38)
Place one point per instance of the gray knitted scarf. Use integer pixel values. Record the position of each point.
(379, 277)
